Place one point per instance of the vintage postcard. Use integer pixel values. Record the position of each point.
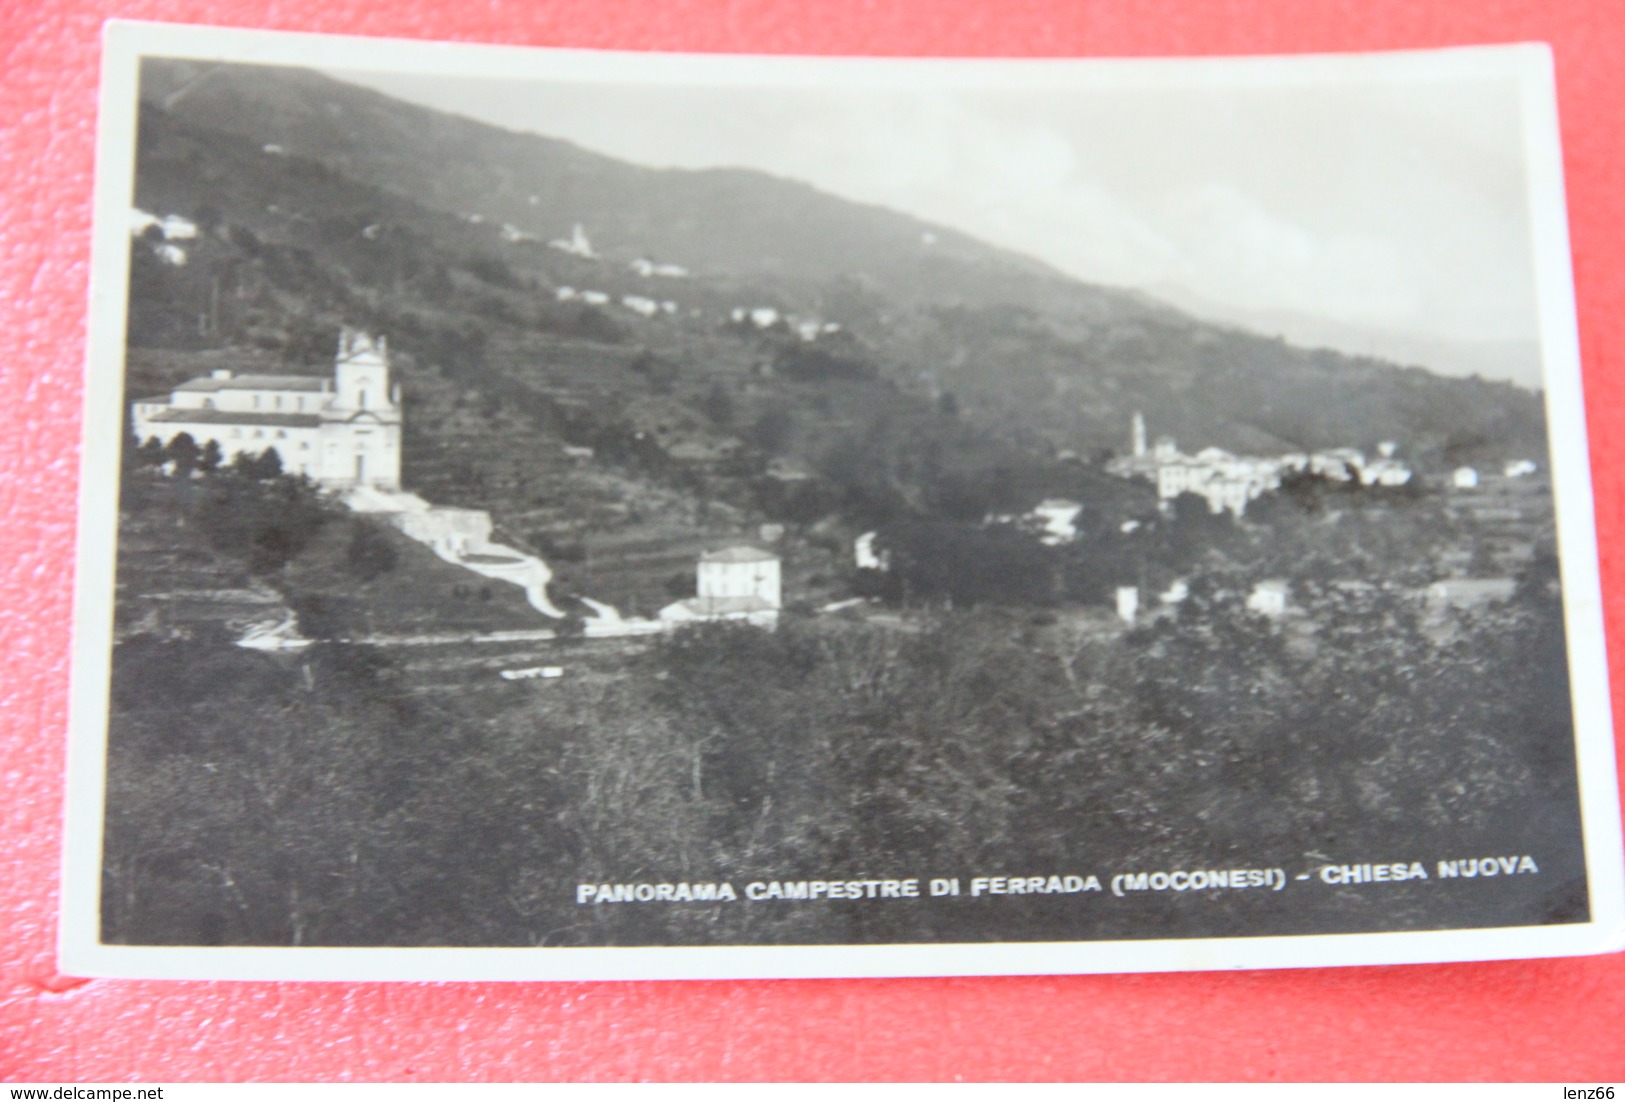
(554, 515)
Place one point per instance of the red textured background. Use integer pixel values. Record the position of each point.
(1554, 1019)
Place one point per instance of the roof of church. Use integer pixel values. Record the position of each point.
(257, 382)
(739, 554)
(228, 417)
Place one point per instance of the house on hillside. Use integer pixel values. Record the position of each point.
(343, 432)
(1269, 597)
(1385, 472)
(866, 556)
(1057, 519)
(737, 583)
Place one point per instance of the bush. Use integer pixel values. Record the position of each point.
(370, 553)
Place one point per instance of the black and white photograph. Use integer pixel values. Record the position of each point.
(560, 515)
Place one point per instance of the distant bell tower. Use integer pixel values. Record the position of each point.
(1139, 435)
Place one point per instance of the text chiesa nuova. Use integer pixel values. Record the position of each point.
(1119, 884)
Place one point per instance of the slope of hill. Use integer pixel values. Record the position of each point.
(1513, 360)
(333, 203)
(721, 221)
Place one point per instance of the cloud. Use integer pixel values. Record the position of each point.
(1236, 251)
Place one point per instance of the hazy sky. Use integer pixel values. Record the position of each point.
(1399, 208)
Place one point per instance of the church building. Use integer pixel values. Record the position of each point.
(341, 432)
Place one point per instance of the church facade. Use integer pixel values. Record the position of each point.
(341, 432)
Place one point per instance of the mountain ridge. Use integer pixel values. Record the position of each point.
(1036, 357)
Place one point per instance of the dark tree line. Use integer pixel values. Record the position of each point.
(318, 799)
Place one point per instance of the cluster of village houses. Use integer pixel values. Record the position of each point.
(344, 434)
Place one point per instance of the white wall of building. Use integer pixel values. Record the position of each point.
(758, 578)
